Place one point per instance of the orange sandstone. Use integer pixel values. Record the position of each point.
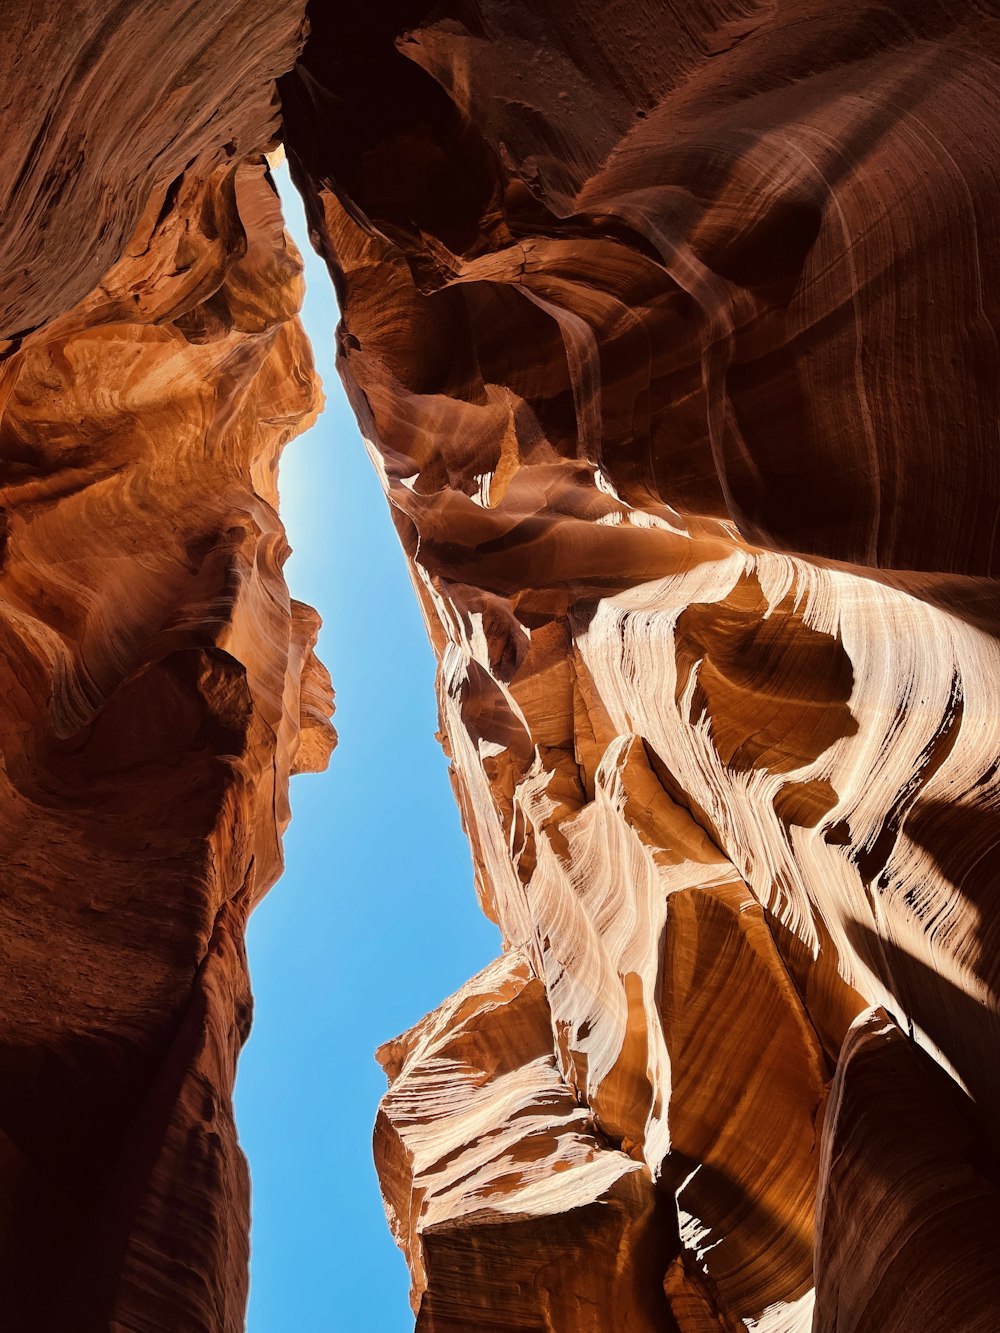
(672, 334)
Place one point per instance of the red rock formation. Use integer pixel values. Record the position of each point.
(672, 333)
(109, 104)
(159, 684)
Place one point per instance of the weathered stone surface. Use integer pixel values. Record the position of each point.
(903, 1146)
(158, 683)
(105, 104)
(672, 333)
(513, 1164)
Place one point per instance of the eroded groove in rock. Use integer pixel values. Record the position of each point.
(900, 1135)
(515, 1164)
(159, 683)
(107, 104)
(672, 334)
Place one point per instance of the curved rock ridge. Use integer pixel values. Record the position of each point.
(672, 330)
(160, 687)
(514, 1163)
(672, 334)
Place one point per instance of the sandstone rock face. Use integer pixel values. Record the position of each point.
(159, 684)
(108, 104)
(673, 334)
(672, 331)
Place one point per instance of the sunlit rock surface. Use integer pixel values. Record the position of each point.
(158, 682)
(673, 333)
(672, 330)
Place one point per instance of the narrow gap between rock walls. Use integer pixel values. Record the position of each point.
(375, 920)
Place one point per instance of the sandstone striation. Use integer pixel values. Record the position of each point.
(159, 684)
(672, 333)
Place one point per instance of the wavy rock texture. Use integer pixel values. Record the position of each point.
(104, 105)
(159, 683)
(672, 331)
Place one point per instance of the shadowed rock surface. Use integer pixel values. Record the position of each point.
(158, 682)
(672, 333)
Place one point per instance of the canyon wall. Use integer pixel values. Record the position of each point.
(158, 682)
(672, 331)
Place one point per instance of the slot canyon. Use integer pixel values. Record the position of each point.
(671, 327)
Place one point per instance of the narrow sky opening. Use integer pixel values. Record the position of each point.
(375, 920)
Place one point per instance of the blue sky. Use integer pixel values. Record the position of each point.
(375, 920)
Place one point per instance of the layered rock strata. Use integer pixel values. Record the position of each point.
(159, 684)
(672, 333)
